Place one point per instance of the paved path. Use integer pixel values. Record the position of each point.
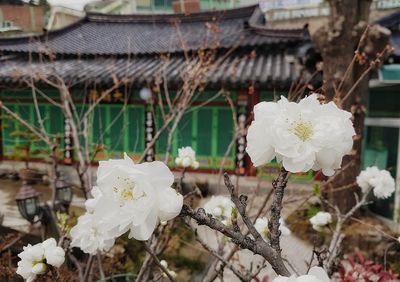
(9, 210)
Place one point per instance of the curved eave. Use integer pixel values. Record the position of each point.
(233, 71)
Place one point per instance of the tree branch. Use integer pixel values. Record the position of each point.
(279, 185)
(157, 261)
(258, 247)
(223, 260)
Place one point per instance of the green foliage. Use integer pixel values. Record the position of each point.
(193, 264)
(23, 150)
(25, 135)
(311, 211)
(395, 266)
(135, 251)
(234, 213)
(316, 189)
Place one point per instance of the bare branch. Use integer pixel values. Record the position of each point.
(279, 185)
(223, 261)
(157, 261)
(258, 247)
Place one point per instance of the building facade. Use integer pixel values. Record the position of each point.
(382, 137)
(17, 16)
(257, 64)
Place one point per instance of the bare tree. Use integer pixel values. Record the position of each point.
(345, 35)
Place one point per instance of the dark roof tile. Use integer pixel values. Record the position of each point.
(100, 34)
(260, 69)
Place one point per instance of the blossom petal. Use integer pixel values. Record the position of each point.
(159, 174)
(143, 231)
(170, 203)
(320, 273)
(257, 145)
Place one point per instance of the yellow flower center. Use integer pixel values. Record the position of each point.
(95, 231)
(265, 232)
(35, 262)
(303, 130)
(126, 190)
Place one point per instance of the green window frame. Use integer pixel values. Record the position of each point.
(207, 131)
(122, 130)
(53, 123)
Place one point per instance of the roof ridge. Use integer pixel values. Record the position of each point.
(256, 23)
(99, 34)
(389, 20)
(166, 18)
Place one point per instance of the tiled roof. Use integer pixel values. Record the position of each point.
(260, 69)
(100, 34)
(392, 22)
(12, 2)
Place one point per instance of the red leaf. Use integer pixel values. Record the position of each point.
(360, 258)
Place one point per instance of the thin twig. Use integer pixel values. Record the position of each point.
(54, 273)
(157, 261)
(222, 260)
(258, 247)
(88, 268)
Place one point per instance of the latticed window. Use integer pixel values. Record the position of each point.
(208, 130)
(163, 4)
(120, 129)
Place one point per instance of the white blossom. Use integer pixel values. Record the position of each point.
(220, 207)
(164, 263)
(187, 158)
(320, 220)
(91, 203)
(285, 231)
(261, 226)
(380, 181)
(170, 272)
(34, 259)
(90, 234)
(316, 274)
(303, 136)
(129, 197)
(54, 255)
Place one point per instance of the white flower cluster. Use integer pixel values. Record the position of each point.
(128, 197)
(261, 226)
(380, 181)
(34, 259)
(303, 136)
(316, 274)
(220, 207)
(187, 158)
(170, 272)
(320, 220)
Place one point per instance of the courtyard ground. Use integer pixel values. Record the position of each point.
(292, 246)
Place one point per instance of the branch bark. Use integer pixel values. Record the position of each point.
(279, 185)
(259, 247)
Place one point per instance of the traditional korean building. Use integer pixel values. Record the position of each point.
(382, 132)
(90, 54)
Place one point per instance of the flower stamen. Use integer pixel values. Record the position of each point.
(303, 130)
